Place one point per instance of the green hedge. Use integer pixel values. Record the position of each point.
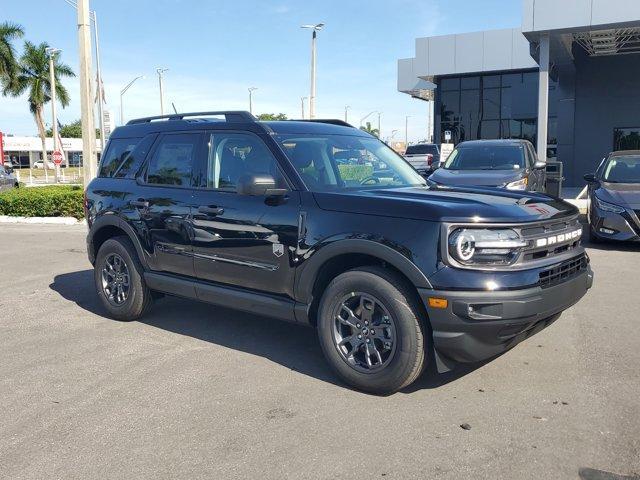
(54, 201)
(355, 172)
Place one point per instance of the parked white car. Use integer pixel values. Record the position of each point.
(40, 164)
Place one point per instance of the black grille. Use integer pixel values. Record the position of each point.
(563, 271)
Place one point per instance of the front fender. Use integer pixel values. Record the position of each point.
(387, 252)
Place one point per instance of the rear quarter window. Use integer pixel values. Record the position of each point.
(116, 154)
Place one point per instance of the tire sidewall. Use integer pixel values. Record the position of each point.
(409, 338)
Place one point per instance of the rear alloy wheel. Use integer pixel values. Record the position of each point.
(369, 330)
(119, 280)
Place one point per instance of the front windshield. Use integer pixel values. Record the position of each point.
(486, 158)
(330, 163)
(623, 169)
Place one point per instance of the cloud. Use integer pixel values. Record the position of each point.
(282, 9)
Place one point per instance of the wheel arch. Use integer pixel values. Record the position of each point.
(106, 227)
(340, 256)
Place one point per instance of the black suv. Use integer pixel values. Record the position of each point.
(259, 216)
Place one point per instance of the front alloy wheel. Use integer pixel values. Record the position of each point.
(364, 332)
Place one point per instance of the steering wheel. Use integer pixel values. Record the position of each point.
(370, 180)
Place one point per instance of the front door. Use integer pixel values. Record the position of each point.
(165, 195)
(243, 240)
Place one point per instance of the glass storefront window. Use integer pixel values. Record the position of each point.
(469, 83)
(450, 84)
(626, 139)
(491, 104)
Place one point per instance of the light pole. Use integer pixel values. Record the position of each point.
(122, 92)
(366, 116)
(406, 131)
(302, 100)
(312, 98)
(379, 130)
(86, 103)
(160, 77)
(251, 90)
(54, 118)
(346, 113)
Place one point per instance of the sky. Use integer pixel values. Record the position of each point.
(216, 49)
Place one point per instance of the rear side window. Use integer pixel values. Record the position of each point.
(116, 153)
(173, 160)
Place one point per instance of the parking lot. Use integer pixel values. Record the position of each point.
(198, 392)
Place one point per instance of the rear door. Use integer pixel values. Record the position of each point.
(163, 201)
(242, 240)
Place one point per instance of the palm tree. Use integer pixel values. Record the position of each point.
(33, 78)
(370, 130)
(8, 63)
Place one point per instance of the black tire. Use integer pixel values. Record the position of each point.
(407, 361)
(139, 297)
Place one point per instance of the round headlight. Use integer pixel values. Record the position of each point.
(465, 246)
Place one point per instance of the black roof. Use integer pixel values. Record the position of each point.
(232, 120)
(493, 143)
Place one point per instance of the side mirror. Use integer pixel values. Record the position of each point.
(590, 178)
(540, 165)
(259, 185)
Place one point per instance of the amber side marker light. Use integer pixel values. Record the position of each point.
(438, 302)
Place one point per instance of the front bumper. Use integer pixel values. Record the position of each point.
(478, 325)
(623, 227)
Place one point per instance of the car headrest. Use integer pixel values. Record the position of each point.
(304, 154)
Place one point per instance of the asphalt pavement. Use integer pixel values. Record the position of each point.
(193, 391)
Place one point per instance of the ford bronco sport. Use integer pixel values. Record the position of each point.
(258, 216)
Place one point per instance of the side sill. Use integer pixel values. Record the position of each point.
(228, 297)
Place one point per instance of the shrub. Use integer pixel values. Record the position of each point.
(54, 201)
(355, 172)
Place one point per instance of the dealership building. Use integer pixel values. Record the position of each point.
(568, 80)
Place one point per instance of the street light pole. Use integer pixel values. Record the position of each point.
(122, 92)
(302, 99)
(251, 90)
(160, 76)
(99, 75)
(346, 113)
(54, 118)
(86, 102)
(406, 131)
(379, 129)
(312, 97)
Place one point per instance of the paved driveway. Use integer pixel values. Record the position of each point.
(193, 391)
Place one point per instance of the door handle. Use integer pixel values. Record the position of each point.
(212, 210)
(140, 203)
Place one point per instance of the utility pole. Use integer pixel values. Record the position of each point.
(251, 90)
(312, 97)
(346, 113)
(86, 101)
(54, 118)
(302, 100)
(160, 76)
(379, 130)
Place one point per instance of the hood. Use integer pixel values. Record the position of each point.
(447, 204)
(624, 194)
(482, 178)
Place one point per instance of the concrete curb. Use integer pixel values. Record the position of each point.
(42, 220)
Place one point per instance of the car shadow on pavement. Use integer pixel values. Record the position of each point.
(293, 346)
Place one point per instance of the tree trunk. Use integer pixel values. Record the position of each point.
(41, 131)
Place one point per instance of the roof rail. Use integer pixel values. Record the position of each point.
(332, 121)
(231, 116)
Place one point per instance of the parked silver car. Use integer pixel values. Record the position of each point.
(7, 178)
